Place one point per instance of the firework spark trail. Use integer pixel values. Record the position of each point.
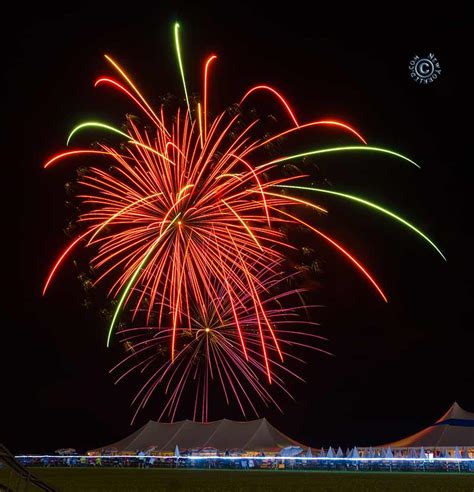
(180, 63)
(149, 111)
(353, 148)
(206, 70)
(370, 205)
(274, 92)
(135, 276)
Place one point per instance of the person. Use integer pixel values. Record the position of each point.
(141, 458)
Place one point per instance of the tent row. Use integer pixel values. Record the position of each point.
(330, 453)
(451, 436)
(388, 453)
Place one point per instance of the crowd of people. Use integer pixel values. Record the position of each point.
(252, 462)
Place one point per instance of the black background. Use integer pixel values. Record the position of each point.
(397, 367)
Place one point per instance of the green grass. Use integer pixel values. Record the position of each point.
(131, 480)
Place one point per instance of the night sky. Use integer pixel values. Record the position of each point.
(397, 366)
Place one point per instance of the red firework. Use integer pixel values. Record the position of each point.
(186, 223)
(209, 354)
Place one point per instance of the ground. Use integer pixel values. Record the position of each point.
(130, 480)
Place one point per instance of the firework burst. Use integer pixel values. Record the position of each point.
(209, 354)
(186, 223)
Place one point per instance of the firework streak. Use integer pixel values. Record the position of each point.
(187, 223)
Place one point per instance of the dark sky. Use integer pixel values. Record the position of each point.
(397, 367)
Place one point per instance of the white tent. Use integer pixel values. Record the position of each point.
(253, 436)
(454, 428)
(422, 452)
(291, 451)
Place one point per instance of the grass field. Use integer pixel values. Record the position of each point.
(131, 480)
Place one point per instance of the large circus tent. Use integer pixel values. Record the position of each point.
(454, 429)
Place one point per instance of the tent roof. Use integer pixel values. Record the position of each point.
(454, 428)
(254, 435)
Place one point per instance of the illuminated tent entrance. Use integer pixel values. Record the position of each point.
(221, 436)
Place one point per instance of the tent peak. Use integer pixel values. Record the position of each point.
(456, 412)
